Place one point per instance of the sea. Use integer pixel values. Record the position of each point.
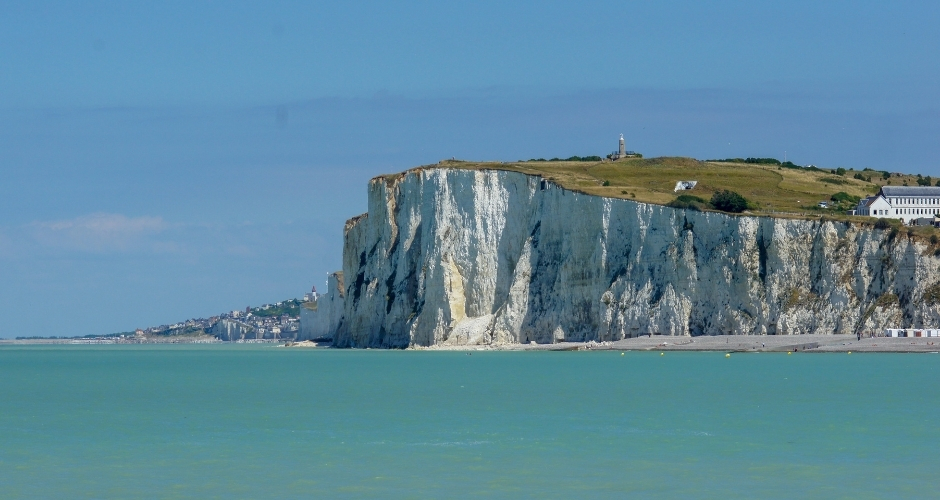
(257, 421)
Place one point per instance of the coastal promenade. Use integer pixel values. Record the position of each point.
(200, 339)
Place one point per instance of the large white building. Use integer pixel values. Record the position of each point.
(902, 202)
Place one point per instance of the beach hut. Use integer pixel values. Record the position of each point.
(912, 332)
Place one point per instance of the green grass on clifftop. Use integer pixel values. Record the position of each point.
(769, 189)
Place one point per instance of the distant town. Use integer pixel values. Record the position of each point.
(275, 322)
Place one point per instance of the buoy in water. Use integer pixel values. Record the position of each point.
(662, 353)
(788, 353)
(621, 354)
(850, 352)
(727, 354)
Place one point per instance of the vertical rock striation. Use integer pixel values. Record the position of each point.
(321, 318)
(470, 257)
(231, 330)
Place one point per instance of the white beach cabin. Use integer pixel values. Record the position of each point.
(912, 332)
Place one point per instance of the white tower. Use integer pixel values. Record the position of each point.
(623, 147)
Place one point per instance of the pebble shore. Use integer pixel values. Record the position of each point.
(726, 343)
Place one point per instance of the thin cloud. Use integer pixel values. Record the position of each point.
(98, 232)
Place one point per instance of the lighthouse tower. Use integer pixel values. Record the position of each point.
(621, 151)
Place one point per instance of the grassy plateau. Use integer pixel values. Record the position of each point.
(769, 189)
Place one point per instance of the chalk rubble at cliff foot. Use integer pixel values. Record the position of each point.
(464, 257)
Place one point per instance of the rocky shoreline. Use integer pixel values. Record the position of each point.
(721, 343)
(727, 343)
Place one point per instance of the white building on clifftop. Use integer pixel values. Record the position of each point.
(907, 203)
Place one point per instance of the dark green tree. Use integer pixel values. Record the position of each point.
(729, 201)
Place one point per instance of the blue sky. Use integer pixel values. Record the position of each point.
(167, 161)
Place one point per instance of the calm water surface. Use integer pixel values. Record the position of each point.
(264, 422)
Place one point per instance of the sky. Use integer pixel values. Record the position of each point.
(179, 159)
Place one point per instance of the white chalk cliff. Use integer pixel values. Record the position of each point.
(474, 257)
(321, 318)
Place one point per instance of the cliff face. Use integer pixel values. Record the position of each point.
(322, 318)
(469, 257)
(231, 330)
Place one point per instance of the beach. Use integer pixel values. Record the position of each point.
(727, 343)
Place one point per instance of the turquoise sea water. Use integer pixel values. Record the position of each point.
(264, 422)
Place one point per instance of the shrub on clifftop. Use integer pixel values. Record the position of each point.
(883, 224)
(688, 201)
(729, 201)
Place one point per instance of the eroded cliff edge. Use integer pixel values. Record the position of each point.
(488, 256)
